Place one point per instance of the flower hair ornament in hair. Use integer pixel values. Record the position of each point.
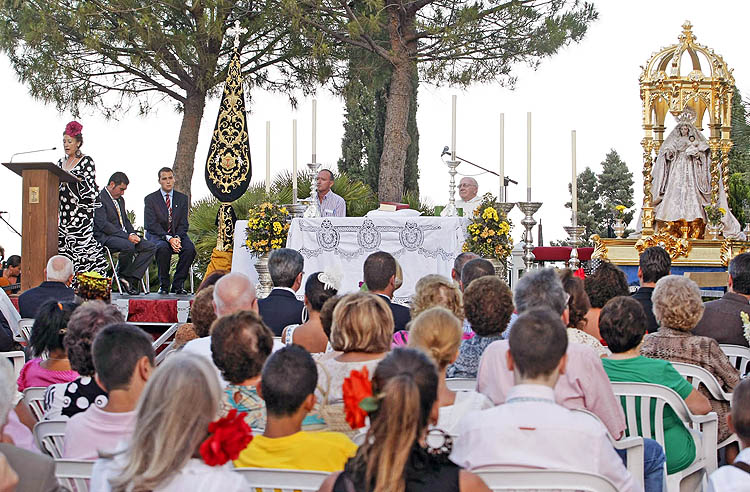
(358, 398)
(228, 437)
(331, 278)
(73, 129)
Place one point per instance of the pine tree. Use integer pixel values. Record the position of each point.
(739, 160)
(615, 187)
(589, 208)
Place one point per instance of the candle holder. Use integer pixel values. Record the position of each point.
(528, 209)
(506, 207)
(575, 233)
(451, 210)
(312, 208)
(296, 210)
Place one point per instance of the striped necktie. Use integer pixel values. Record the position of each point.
(169, 211)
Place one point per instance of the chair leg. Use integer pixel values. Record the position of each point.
(113, 266)
(192, 280)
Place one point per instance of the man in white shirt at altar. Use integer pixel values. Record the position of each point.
(467, 190)
(329, 203)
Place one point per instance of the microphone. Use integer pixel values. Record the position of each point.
(508, 180)
(3, 212)
(29, 152)
(446, 150)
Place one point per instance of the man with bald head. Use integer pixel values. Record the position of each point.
(467, 190)
(59, 275)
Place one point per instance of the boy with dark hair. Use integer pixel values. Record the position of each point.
(653, 264)
(287, 385)
(736, 477)
(123, 360)
(530, 429)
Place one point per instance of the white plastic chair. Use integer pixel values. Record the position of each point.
(461, 384)
(739, 357)
(499, 479)
(74, 474)
(48, 435)
(705, 460)
(34, 398)
(165, 336)
(269, 480)
(23, 335)
(18, 359)
(696, 376)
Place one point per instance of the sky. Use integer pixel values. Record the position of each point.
(590, 87)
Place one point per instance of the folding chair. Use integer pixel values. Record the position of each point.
(114, 264)
(48, 435)
(74, 474)
(739, 357)
(23, 335)
(18, 359)
(269, 480)
(461, 384)
(502, 478)
(34, 398)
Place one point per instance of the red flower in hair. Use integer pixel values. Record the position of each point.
(229, 436)
(73, 129)
(356, 388)
(580, 273)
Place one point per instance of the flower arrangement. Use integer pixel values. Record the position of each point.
(358, 398)
(714, 214)
(620, 211)
(228, 436)
(745, 325)
(267, 228)
(489, 231)
(92, 286)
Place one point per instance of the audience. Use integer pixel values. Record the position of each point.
(552, 436)
(10, 275)
(47, 335)
(678, 307)
(623, 325)
(488, 304)
(287, 385)
(171, 422)
(362, 331)
(653, 264)
(394, 456)
(379, 273)
(721, 318)
(326, 317)
(437, 332)
(320, 287)
(735, 478)
(59, 275)
(123, 359)
(578, 308)
(429, 291)
(606, 282)
(211, 279)
(63, 400)
(282, 308)
(473, 269)
(458, 264)
(202, 314)
(240, 345)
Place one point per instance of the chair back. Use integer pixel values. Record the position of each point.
(461, 384)
(23, 335)
(74, 474)
(34, 398)
(266, 479)
(507, 479)
(18, 359)
(48, 435)
(696, 375)
(739, 357)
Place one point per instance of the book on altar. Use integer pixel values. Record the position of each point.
(392, 206)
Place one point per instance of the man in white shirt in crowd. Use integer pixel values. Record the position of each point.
(467, 190)
(329, 203)
(530, 429)
(736, 477)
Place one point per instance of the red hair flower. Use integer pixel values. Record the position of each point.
(580, 273)
(358, 399)
(228, 436)
(73, 129)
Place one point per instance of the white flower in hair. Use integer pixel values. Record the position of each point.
(331, 278)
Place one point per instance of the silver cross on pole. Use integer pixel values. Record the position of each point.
(236, 32)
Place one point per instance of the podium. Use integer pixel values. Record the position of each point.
(40, 209)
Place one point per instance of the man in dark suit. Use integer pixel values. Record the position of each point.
(281, 307)
(379, 274)
(653, 264)
(113, 229)
(721, 318)
(166, 222)
(59, 275)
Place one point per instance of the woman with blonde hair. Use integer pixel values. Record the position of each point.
(437, 332)
(432, 290)
(179, 402)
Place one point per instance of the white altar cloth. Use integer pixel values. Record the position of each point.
(422, 245)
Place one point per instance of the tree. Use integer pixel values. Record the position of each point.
(615, 187)
(589, 209)
(113, 55)
(448, 41)
(739, 160)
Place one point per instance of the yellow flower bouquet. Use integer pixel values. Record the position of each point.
(267, 227)
(489, 231)
(714, 214)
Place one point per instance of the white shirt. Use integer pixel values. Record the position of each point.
(466, 401)
(531, 430)
(469, 206)
(730, 478)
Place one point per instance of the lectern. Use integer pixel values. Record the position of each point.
(41, 204)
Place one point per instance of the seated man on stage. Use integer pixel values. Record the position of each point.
(329, 203)
(113, 229)
(467, 190)
(166, 221)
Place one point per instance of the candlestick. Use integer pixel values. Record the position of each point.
(312, 203)
(502, 158)
(314, 130)
(574, 184)
(450, 210)
(528, 156)
(453, 129)
(294, 162)
(575, 232)
(268, 157)
(528, 209)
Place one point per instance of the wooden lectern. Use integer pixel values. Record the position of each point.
(41, 205)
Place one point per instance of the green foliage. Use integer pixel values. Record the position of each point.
(739, 156)
(739, 196)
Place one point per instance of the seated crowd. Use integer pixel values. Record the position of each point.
(361, 387)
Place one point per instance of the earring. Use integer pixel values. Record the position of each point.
(305, 316)
(78, 154)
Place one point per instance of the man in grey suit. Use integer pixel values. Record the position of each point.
(721, 318)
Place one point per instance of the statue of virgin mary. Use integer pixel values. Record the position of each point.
(681, 182)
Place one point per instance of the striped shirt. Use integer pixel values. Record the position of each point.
(332, 205)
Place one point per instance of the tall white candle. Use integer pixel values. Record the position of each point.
(268, 157)
(294, 161)
(314, 130)
(574, 184)
(453, 129)
(528, 156)
(502, 158)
